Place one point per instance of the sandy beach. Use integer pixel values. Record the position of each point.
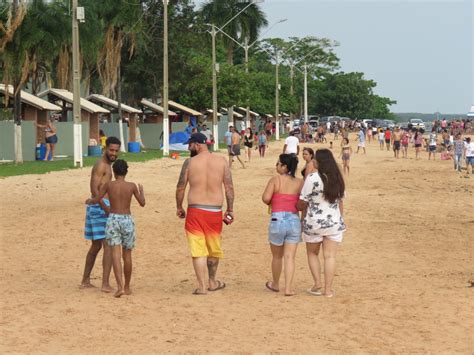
(401, 285)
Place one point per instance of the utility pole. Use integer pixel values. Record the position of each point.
(166, 122)
(119, 108)
(76, 106)
(215, 129)
(247, 109)
(277, 99)
(17, 92)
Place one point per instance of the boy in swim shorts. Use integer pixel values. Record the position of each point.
(120, 228)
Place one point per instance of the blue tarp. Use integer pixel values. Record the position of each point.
(178, 141)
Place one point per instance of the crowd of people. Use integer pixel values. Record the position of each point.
(307, 208)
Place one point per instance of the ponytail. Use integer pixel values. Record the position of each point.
(290, 161)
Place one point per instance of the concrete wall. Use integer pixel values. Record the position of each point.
(150, 134)
(113, 130)
(7, 140)
(65, 133)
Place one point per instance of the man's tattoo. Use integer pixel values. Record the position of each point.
(229, 188)
(212, 268)
(182, 175)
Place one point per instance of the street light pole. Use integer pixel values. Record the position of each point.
(247, 109)
(76, 106)
(277, 99)
(215, 128)
(166, 130)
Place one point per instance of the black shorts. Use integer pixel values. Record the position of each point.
(52, 139)
(396, 145)
(387, 141)
(417, 145)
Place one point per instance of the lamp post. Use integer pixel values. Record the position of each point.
(277, 99)
(246, 47)
(214, 71)
(305, 93)
(166, 130)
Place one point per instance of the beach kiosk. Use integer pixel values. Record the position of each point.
(90, 112)
(129, 114)
(33, 110)
(153, 113)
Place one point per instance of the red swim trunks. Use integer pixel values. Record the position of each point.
(203, 231)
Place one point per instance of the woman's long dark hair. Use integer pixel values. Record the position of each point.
(330, 174)
(290, 161)
(310, 151)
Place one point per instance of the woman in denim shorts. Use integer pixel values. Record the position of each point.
(284, 232)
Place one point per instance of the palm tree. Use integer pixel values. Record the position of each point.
(246, 26)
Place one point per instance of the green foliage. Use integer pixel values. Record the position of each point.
(47, 28)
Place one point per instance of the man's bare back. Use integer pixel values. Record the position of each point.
(206, 176)
(120, 194)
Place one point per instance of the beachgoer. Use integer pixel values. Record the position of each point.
(262, 143)
(235, 148)
(284, 231)
(248, 142)
(120, 228)
(292, 144)
(418, 139)
(96, 216)
(381, 138)
(469, 154)
(361, 139)
(50, 138)
(387, 136)
(346, 152)
(205, 173)
(433, 141)
(228, 142)
(309, 167)
(102, 139)
(405, 141)
(396, 142)
(458, 152)
(321, 203)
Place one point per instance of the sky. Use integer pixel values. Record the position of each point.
(420, 52)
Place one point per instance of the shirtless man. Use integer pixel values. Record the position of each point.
(235, 148)
(396, 142)
(205, 173)
(96, 216)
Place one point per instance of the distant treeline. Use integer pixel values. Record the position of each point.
(404, 117)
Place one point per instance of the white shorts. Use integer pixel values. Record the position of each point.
(361, 144)
(319, 238)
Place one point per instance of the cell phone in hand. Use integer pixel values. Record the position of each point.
(228, 219)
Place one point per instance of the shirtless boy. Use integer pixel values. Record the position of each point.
(235, 147)
(120, 229)
(205, 173)
(396, 142)
(96, 216)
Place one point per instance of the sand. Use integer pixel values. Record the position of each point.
(402, 280)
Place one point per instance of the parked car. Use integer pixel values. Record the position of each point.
(416, 123)
(313, 123)
(368, 123)
(390, 124)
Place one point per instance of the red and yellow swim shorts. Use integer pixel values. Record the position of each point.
(203, 230)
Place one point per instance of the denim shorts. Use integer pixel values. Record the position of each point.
(285, 227)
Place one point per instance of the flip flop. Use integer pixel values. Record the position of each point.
(270, 287)
(197, 293)
(220, 286)
(333, 293)
(315, 293)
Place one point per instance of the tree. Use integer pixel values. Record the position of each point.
(247, 25)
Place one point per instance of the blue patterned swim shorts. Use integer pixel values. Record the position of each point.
(120, 230)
